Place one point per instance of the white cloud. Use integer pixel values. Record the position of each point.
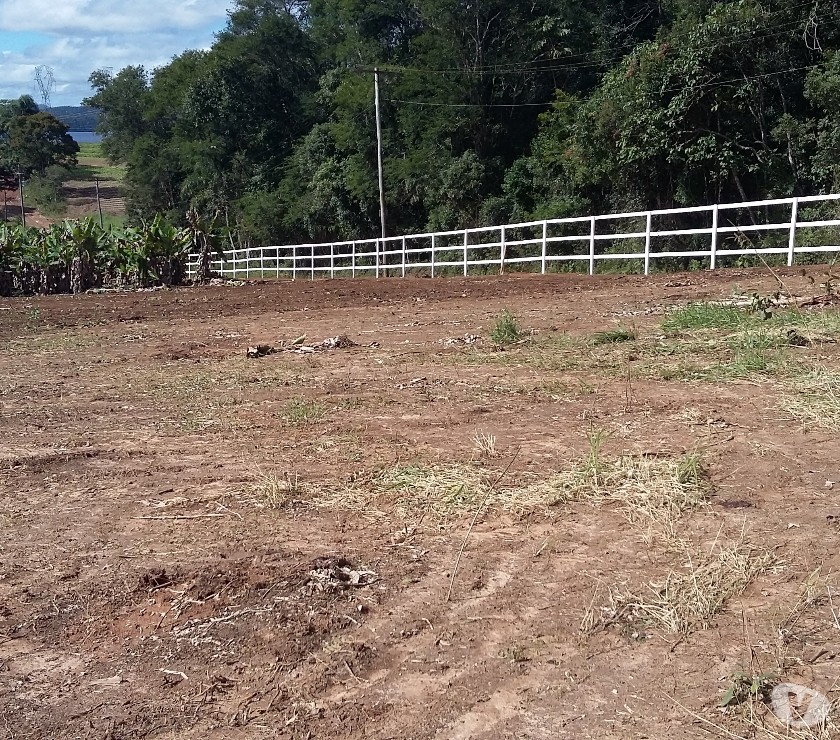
(76, 37)
(108, 16)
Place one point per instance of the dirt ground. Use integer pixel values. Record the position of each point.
(80, 198)
(197, 544)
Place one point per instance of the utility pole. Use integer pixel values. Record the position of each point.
(99, 203)
(379, 151)
(22, 206)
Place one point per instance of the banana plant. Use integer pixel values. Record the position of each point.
(87, 241)
(203, 237)
(12, 257)
(164, 249)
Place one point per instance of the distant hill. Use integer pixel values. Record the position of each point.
(76, 118)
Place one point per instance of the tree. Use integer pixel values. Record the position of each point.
(823, 89)
(706, 113)
(25, 105)
(38, 141)
(119, 99)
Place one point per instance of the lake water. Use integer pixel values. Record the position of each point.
(85, 137)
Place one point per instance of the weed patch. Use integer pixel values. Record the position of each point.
(506, 330)
(698, 316)
(613, 336)
(300, 412)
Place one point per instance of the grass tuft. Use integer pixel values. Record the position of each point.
(506, 330)
(276, 491)
(440, 491)
(699, 316)
(300, 412)
(614, 336)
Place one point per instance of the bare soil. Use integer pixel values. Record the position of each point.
(80, 199)
(80, 196)
(148, 589)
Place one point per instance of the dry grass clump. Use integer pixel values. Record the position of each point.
(687, 599)
(448, 491)
(816, 397)
(656, 492)
(650, 490)
(414, 492)
(437, 490)
(796, 624)
(484, 444)
(750, 697)
(275, 490)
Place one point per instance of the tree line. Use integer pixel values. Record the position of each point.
(493, 111)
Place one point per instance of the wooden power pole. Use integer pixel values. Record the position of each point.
(22, 206)
(379, 151)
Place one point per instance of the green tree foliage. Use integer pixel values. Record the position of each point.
(38, 141)
(44, 190)
(492, 110)
(120, 99)
(32, 140)
(822, 88)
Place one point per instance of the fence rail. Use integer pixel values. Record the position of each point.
(709, 234)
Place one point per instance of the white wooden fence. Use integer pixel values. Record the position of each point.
(785, 226)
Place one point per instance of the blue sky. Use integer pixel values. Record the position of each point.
(75, 37)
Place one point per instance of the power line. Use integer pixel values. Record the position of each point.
(704, 86)
(470, 105)
(725, 83)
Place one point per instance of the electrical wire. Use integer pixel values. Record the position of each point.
(704, 86)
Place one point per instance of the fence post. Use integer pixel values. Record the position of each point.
(353, 261)
(294, 263)
(647, 242)
(715, 221)
(312, 262)
(377, 257)
(248, 264)
(794, 216)
(332, 261)
(544, 245)
(502, 250)
(592, 246)
(466, 248)
(433, 255)
(403, 256)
